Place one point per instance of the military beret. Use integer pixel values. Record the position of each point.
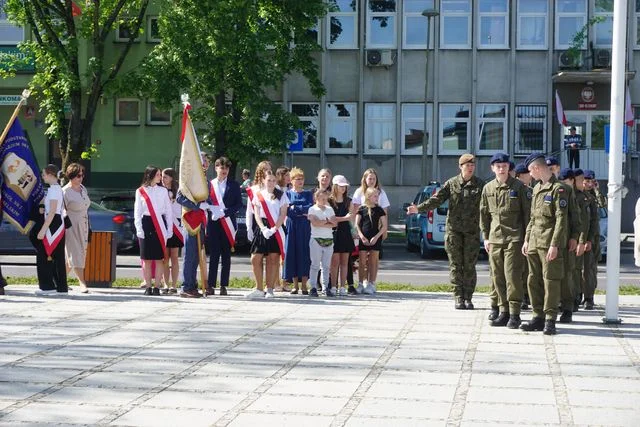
(532, 158)
(552, 161)
(466, 158)
(577, 172)
(499, 158)
(512, 166)
(521, 168)
(589, 174)
(566, 173)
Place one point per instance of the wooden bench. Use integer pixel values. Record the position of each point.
(100, 266)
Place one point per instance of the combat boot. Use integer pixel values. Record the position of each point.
(501, 320)
(494, 313)
(588, 303)
(566, 316)
(514, 321)
(535, 324)
(469, 304)
(460, 303)
(549, 327)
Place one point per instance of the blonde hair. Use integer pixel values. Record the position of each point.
(363, 181)
(319, 192)
(367, 193)
(333, 199)
(296, 172)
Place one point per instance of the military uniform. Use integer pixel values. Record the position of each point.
(586, 235)
(575, 226)
(462, 240)
(504, 215)
(591, 258)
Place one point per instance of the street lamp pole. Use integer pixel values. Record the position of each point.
(428, 13)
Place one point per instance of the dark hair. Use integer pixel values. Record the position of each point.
(281, 172)
(52, 170)
(246, 172)
(149, 173)
(277, 193)
(174, 181)
(73, 170)
(223, 161)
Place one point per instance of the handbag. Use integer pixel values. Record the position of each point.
(67, 222)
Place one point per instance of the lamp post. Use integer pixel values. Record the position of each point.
(428, 13)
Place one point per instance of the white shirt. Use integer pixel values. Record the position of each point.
(159, 197)
(383, 200)
(273, 205)
(222, 185)
(321, 214)
(54, 193)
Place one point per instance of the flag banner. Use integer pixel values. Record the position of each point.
(562, 119)
(628, 110)
(22, 187)
(75, 9)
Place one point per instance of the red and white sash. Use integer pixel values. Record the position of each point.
(52, 239)
(267, 213)
(225, 222)
(178, 230)
(155, 218)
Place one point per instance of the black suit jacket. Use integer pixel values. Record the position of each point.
(232, 201)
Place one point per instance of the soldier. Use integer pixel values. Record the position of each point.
(592, 257)
(523, 175)
(462, 230)
(544, 244)
(585, 243)
(505, 207)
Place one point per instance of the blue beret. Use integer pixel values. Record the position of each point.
(577, 172)
(565, 173)
(552, 161)
(499, 158)
(521, 168)
(532, 158)
(589, 174)
(512, 166)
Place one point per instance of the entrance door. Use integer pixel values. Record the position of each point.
(590, 125)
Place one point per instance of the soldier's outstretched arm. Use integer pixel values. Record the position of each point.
(437, 199)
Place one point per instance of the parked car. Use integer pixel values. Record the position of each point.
(242, 242)
(119, 202)
(100, 218)
(604, 223)
(426, 231)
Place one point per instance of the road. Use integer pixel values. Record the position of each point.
(397, 266)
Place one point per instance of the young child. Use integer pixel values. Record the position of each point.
(371, 224)
(342, 239)
(322, 219)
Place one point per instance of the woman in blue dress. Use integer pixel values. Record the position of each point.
(297, 260)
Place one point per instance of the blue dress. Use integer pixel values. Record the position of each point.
(297, 260)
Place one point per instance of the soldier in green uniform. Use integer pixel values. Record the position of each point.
(592, 257)
(544, 245)
(523, 175)
(505, 207)
(462, 241)
(586, 235)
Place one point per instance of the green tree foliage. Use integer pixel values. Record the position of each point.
(70, 60)
(228, 55)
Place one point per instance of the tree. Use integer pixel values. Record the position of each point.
(227, 54)
(61, 77)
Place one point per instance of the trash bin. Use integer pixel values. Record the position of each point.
(100, 266)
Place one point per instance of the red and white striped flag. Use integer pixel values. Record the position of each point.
(562, 119)
(75, 9)
(628, 111)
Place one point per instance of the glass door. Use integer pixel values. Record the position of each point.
(590, 126)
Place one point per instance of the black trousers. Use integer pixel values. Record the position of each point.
(574, 157)
(219, 251)
(52, 274)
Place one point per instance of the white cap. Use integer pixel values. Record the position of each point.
(340, 180)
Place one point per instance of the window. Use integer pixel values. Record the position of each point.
(309, 116)
(532, 24)
(123, 30)
(341, 128)
(127, 111)
(493, 24)
(153, 34)
(491, 120)
(157, 117)
(381, 19)
(571, 17)
(413, 128)
(9, 34)
(342, 21)
(414, 29)
(531, 129)
(455, 24)
(454, 126)
(380, 129)
(604, 30)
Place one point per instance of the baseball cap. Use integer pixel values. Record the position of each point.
(340, 180)
(466, 158)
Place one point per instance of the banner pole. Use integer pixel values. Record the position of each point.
(202, 263)
(23, 100)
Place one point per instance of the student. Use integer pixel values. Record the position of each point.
(171, 271)
(322, 219)
(152, 211)
(371, 224)
(297, 260)
(50, 258)
(342, 239)
(283, 178)
(270, 210)
(246, 178)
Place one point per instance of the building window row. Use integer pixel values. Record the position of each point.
(128, 112)
(454, 120)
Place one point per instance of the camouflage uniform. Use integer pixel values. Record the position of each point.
(591, 258)
(586, 235)
(462, 240)
(504, 216)
(575, 226)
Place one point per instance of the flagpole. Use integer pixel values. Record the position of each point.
(23, 100)
(203, 276)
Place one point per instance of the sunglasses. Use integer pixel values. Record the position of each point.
(80, 175)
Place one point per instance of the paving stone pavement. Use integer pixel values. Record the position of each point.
(115, 357)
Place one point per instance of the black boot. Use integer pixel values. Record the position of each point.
(535, 324)
(588, 303)
(469, 304)
(525, 303)
(460, 303)
(494, 313)
(566, 316)
(549, 327)
(576, 305)
(502, 320)
(514, 321)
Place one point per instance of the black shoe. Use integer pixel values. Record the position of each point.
(494, 313)
(294, 291)
(313, 292)
(223, 290)
(566, 316)
(306, 292)
(165, 291)
(351, 290)
(514, 321)
(469, 304)
(460, 305)
(588, 304)
(210, 291)
(156, 292)
(191, 294)
(576, 305)
(535, 324)
(148, 291)
(501, 320)
(173, 291)
(549, 327)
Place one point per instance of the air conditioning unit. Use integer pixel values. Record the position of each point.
(565, 60)
(380, 58)
(601, 58)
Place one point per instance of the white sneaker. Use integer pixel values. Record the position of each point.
(40, 292)
(370, 288)
(360, 288)
(257, 293)
(342, 292)
(269, 294)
